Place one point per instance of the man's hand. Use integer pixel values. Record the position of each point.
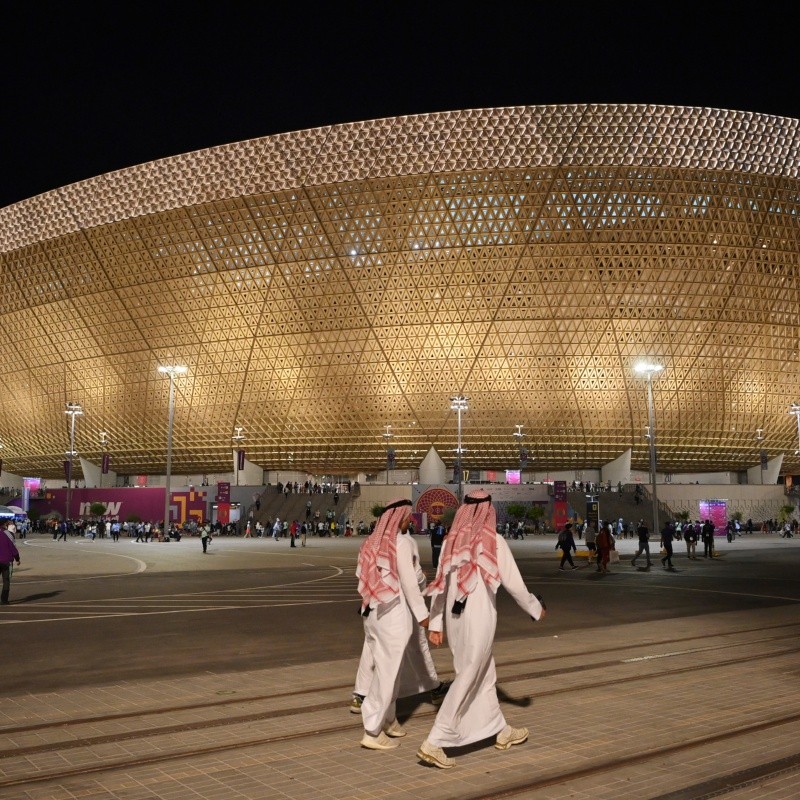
(424, 622)
(436, 637)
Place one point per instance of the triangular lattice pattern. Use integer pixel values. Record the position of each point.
(323, 284)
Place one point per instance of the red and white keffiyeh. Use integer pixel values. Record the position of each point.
(470, 549)
(379, 552)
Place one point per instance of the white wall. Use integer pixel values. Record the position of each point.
(619, 470)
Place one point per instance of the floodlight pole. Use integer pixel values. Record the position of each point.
(73, 410)
(387, 435)
(170, 371)
(648, 370)
(459, 404)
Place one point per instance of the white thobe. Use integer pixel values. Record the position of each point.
(417, 671)
(387, 631)
(470, 710)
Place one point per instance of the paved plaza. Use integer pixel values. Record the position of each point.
(153, 671)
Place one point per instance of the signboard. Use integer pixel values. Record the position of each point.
(513, 476)
(224, 492)
(593, 514)
(717, 512)
(240, 460)
(523, 458)
(390, 458)
(106, 463)
(559, 490)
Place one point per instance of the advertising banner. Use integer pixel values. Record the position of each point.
(224, 492)
(223, 513)
(106, 463)
(717, 512)
(240, 460)
(123, 504)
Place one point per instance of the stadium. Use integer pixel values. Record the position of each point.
(330, 291)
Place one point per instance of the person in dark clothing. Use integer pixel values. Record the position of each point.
(644, 543)
(8, 554)
(708, 539)
(566, 542)
(667, 535)
(437, 540)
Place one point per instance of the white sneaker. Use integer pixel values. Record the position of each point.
(379, 742)
(394, 729)
(510, 736)
(431, 754)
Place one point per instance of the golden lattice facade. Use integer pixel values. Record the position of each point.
(323, 284)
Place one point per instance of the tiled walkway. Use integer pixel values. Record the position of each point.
(627, 711)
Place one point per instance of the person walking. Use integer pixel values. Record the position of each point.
(205, 537)
(437, 539)
(391, 607)
(690, 537)
(605, 540)
(708, 539)
(667, 535)
(417, 670)
(475, 561)
(566, 541)
(590, 536)
(63, 527)
(643, 532)
(8, 554)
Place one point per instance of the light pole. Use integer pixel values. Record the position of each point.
(103, 443)
(387, 435)
(648, 369)
(459, 404)
(73, 410)
(171, 371)
(759, 439)
(795, 409)
(237, 440)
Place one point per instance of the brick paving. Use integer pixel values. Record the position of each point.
(646, 711)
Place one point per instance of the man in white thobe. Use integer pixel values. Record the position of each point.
(392, 606)
(417, 670)
(475, 561)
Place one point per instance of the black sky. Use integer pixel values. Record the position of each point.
(89, 88)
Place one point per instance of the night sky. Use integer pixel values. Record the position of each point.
(89, 89)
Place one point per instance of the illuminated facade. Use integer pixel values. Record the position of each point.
(323, 284)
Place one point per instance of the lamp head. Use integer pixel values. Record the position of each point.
(647, 368)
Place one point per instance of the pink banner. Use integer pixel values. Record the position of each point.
(147, 504)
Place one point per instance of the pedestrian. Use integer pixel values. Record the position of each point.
(293, 533)
(391, 608)
(437, 539)
(205, 537)
(417, 670)
(591, 537)
(605, 541)
(667, 535)
(643, 533)
(303, 533)
(62, 530)
(566, 542)
(8, 554)
(690, 537)
(708, 539)
(475, 561)
(276, 529)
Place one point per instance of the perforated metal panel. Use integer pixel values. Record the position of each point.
(322, 284)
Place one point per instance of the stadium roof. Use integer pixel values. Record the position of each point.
(324, 284)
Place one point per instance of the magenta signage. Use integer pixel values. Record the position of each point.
(145, 503)
(717, 512)
(559, 490)
(223, 492)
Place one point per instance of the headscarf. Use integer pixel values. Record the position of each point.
(379, 552)
(470, 549)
